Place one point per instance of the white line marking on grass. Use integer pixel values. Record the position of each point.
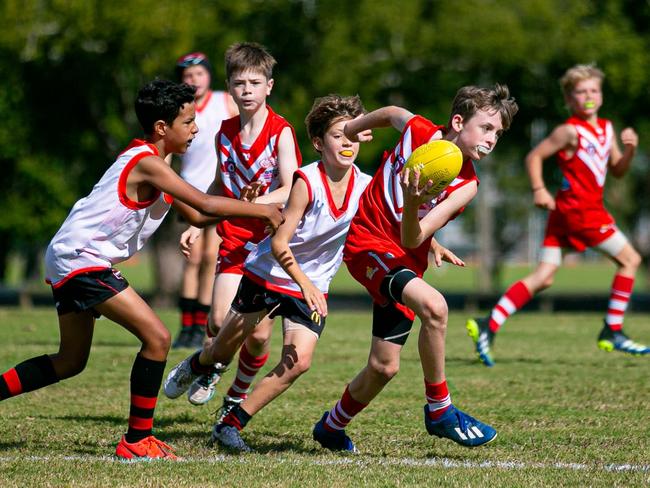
(364, 462)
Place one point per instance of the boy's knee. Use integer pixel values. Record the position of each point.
(384, 370)
(435, 311)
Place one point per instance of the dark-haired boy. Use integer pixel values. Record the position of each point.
(107, 227)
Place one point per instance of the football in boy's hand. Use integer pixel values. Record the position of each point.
(439, 161)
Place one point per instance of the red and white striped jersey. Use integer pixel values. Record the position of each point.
(376, 227)
(240, 166)
(199, 163)
(318, 241)
(105, 227)
(585, 171)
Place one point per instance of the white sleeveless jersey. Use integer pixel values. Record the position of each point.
(199, 163)
(318, 241)
(106, 227)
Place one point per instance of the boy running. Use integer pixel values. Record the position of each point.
(386, 251)
(586, 148)
(257, 154)
(198, 167)
(290, 274)
(107, 227)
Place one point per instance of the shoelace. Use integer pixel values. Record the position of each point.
(463, 420)
(206, 380)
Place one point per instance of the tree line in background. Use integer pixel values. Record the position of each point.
(70, 72)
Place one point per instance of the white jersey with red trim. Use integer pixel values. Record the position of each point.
(241, 166)
(318, 241)
(199, 163)
(106, 227)
(376, 227)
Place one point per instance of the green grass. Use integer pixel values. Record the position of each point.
(564, 411)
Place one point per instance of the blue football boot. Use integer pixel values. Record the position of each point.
(615, 340)
(335, 440)
(483, 338)
(459, 427)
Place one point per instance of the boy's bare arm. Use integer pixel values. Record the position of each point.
(197, 207)
(293, 214)
(442, 213)
(396, 117)
(562, 137)
(619, 162)
(287, 164)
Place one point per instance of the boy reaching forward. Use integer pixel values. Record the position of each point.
(586, 148)
(386, 251)
(289, 275)
(107, 227)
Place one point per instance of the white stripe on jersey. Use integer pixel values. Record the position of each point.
(318, 241)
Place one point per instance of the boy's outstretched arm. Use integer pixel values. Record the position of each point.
(198, 208)
(396, 117)
(293, 214)
(619, 162)
(563, 137)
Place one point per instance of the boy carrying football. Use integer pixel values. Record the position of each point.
(387, 249)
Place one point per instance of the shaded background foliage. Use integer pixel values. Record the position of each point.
(71, 68)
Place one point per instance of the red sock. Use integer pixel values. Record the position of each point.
(512, 300)
(438, 398)
(618, 301)
(343, 412)
(247, 368)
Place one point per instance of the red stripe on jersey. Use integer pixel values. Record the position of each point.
(303, 177)
(121, 185)
(334, 211)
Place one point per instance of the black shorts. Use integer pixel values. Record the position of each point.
(252, 297)
(84, 291)
(389, 322)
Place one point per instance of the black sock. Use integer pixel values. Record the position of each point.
(29, 375)
(237, 417)
(146, 378)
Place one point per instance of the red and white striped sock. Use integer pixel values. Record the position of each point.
(438, 398)
(618, 301)
(247, 368)
(343, 412)
(512, 300)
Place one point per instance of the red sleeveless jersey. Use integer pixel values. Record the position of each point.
(376, 226)
(584, 172)
(240, 166)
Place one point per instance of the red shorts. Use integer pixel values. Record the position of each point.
(370, 269)
(578, 229)
(231, 262)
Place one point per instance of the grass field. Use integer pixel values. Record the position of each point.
(567, 414)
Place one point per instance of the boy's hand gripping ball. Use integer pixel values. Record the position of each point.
(439, 161)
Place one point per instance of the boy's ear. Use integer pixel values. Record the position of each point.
(318, 143)
(457, 122)
(269, 86)
(160, 128)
